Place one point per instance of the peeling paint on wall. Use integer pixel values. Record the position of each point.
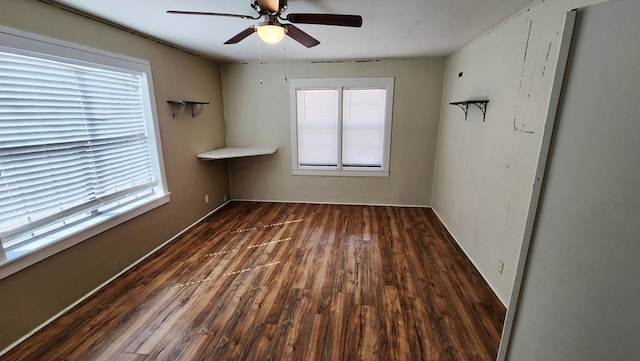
(546, 60)
(516, 128)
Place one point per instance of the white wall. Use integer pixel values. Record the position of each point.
(484, 171)
(259, 115)
(580, 297)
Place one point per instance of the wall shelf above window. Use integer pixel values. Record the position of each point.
(177, 107)
(464, 105)
(235, 152)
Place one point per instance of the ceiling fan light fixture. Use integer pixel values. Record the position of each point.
(270, 33)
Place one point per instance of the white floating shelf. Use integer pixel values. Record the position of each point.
(235, 152)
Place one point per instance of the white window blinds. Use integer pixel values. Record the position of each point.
(73, 144)
(318, 124)
(363, 126)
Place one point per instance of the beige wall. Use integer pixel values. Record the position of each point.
(258, 115)
(484, 171)
(35, 294)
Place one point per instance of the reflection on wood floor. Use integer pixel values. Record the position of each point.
(273, 281)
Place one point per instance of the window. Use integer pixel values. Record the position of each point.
(79, 145)
(341, 126)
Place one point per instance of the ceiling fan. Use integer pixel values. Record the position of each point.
(273, 31)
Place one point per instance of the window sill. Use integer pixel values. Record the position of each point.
(24, 256)
(341, 173)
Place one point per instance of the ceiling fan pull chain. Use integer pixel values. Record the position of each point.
(284, 59)
(260, 61)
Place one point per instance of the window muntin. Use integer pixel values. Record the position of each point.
(79, 143)
(341, 126)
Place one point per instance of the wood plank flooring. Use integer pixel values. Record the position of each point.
(271, 281)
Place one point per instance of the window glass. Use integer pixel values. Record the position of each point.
(363, 127)
(341, 126)
(318, 126)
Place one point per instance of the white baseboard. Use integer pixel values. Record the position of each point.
(467, 255)
(336, 203)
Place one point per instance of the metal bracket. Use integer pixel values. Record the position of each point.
(481, 104)
(177, 107)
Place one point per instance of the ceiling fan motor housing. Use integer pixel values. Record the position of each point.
(282, 6)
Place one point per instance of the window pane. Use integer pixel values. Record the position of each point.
(317, 127)
(363, 127)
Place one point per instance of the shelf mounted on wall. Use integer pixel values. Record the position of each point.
(177, 107)
(235, 152)
(464, 105)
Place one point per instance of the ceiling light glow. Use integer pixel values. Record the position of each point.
(271, 34)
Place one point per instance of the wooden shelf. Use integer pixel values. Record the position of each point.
(235, 152)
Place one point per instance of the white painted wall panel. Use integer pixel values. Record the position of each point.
(580, 296)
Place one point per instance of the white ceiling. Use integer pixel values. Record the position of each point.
(391, 29)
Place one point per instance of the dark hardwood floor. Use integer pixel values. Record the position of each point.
(271, 281)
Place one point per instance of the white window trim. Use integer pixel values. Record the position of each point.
(22, 257)
(337, 83)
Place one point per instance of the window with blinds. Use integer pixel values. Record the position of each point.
(77, 142)
(341, 126)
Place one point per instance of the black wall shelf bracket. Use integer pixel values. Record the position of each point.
(177, 107)
(464, 105)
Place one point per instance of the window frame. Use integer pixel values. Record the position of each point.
(25, 43)
(386, 83)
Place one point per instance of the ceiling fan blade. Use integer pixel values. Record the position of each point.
(272, 6)
(213, 14)
(300, 36)
(326, 19)
(241, 35)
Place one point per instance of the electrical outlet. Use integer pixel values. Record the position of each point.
(500, 267)
(206, 198)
